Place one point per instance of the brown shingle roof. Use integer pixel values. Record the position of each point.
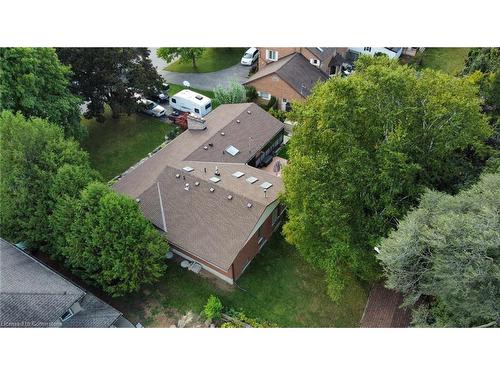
(208, 224)
(295, 70)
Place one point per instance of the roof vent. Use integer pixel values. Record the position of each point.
(211, 144)
(229, 197)
(231, 150)
(177, 175)
(187, 186)
(222, 133)
(320, 49)
(199, 97)
(249, 112)
(249, 205)
(252, 179)
(238, 121)
(205, 147)
(188, 169)
(215, 179)
(212, 190)
(266, 185)
(238, 174)
(137, 200)
(197, 183)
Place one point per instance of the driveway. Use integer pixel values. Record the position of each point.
(204, 81)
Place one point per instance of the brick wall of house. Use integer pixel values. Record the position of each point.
(274, 85)
(251, 249)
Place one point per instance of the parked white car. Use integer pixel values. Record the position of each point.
(151, 108)
(250, 56)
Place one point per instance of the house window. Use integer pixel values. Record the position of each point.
(197, 110)
(260, 236)
(271, 55)
(274, 216)
(369, 49)
(264, 95)
(68, 314)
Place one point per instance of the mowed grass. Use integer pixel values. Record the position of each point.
(212, 60)
(117, 144)
(279, 286)
(448, 60)
(174, 89)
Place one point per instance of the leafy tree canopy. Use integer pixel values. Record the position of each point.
(104, 238)
(35, 161)
(111, 76)
(365, 148)
(486, 60)
(449, 248)
(35, 83)
(184, 54)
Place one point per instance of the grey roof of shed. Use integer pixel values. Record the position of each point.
(295, 70)
(33, 295)
(208, 224)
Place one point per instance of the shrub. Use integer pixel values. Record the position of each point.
(213, 308)
(234, 93)
(251, 93)
(272, 103)
(242, 320)
(280, 115)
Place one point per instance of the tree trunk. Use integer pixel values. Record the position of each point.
(193, 59)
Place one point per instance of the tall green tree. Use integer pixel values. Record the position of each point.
(35, 83)
(111, 76)
(449, 249)
(363, 151)
(184, 54)
(104, 238)
(34, 160)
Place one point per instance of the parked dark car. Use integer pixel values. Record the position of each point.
(162, 96)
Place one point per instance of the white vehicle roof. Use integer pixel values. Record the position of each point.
(193, 96)
(251, 50)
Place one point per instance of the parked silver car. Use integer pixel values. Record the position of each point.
(151, 108)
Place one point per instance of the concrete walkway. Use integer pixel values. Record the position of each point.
(204, 81)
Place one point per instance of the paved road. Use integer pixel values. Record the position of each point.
(205, 81)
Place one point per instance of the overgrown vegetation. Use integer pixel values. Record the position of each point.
(234, 93)
(364, 150)
(51, 199)
(449, 249)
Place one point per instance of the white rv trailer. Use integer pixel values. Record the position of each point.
(190, 101)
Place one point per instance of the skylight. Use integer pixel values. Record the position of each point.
(231, 150)
(252, 179)
(238, 174)
(188, 169)
(266, 185)
(214, 179)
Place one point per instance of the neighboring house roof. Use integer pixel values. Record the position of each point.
(295, 70)
(33, 295)
(205, 223)
(325, 54)
(383, 309)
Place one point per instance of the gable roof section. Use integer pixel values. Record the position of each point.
(208, 224)
(33, 295)
(325, 55)
(296, 71)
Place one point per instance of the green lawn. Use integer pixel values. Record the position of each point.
(212, 60)
(280, 288)
(117, 144)
(449, 60)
